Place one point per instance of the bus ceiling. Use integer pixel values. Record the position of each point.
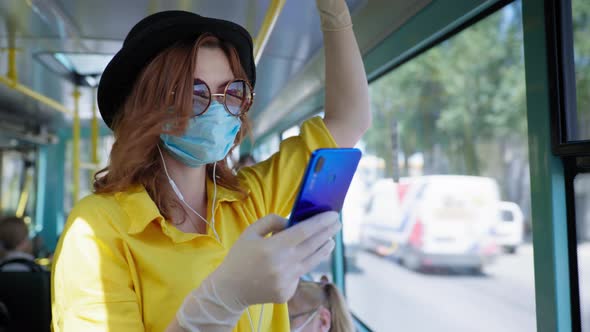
(47, 47)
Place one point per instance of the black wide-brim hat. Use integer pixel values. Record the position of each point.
(151, 36)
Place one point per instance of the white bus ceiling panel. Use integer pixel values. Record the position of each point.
(91, 16)
(295, 39)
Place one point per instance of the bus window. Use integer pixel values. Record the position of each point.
(17, 191)
(264, 149)
(13, 167)
(432, 249)
(581, 25)
(293, 131)
(87, 169)
(582, 196)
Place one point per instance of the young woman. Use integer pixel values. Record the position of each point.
(319, 307)
(172, 239)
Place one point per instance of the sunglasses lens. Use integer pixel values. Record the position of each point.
(201, 98)
(238, 97)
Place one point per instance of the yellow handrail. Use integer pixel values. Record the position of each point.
(11, 80)
(76, 146)
(35, 95)
(272, 14)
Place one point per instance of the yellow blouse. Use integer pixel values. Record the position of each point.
(121, 267)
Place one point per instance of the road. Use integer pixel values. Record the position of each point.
(387, 297)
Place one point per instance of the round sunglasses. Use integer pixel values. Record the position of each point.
(236, 98)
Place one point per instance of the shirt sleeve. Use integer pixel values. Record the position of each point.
(273, 183)
(92, 286)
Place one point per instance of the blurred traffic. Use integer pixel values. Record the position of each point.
(431, 222)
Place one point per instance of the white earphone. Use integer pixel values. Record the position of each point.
(175, 189)
(211, 225)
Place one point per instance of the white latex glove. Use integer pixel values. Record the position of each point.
(334, 15)
(259, 270)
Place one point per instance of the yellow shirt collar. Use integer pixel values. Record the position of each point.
(137, 203)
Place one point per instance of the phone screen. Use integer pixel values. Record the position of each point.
(326, 180)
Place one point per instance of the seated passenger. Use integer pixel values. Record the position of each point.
(16, 248)
(319, 307)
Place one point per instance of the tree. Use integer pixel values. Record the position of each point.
(465, 90)
(458, 103)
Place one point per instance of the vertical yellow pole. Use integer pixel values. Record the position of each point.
(95, 130)
(24, 196)
(272, 14)
(95, 135)
(184, 5)
(76, 146)
(153, 6)
(12, 72)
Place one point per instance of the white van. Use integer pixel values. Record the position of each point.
(370, 169)
(509, 231)
(381, 219)
(443, 221)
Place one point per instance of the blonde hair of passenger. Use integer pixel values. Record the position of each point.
(326, 294)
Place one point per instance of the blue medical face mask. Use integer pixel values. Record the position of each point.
(207, 138)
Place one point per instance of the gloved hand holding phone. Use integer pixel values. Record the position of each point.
(259, 269)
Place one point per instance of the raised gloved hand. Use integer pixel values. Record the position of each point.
(334, 15)
(259, 269)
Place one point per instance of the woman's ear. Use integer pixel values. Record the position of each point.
(325, 319)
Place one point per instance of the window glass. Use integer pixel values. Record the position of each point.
(581, 26)
(293, 131)
(13, 168)
(26, 207)
(582, 194)
(266, 148)
(437, 219)
(87, 169)
(17, 184)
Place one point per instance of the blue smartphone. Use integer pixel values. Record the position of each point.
(325, 182)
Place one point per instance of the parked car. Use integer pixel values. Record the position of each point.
(509, 230)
